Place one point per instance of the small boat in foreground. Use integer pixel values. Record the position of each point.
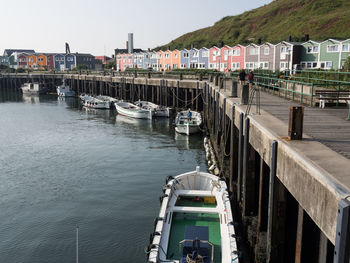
(33, 88)
(65, 91)
(159, 111)
(195, 222)
(133, 111)
(188, 125)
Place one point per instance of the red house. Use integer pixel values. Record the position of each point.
(237, 57)
(225, 58)
(23, 60)
(214, 58)
(50, 61)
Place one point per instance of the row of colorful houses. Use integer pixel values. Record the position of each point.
(329, 54)
(29, 59)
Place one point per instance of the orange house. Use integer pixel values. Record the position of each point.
(161, 60)
(41, 61)
(32, 61)
(175, 59)
(167, 60)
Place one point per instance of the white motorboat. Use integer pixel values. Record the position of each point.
(195, 222)
(131, 110)
(106, 98)
(94, 103)
(33, 88)
(188, 125)
(85, 96)
(159, 111)
(65, 91)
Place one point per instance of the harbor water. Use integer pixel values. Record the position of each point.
(62, 166)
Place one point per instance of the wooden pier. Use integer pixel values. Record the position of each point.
(291, 196)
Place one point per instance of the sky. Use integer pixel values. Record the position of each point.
(100, 26)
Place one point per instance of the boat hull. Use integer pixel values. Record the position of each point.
(187, 196)
(133, 113)
(187, 129)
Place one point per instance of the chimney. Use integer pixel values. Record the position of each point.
(127, 45)
(307, 37)
(131, 43)
(290, 38)
(259, 41)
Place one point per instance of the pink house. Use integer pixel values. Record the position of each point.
(225, 58)
(214, 58)
(123, 61)
(237, 57)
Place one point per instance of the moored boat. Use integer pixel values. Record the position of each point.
(65, 91)
(195, 222)
(188, 124)
(131, 110)
(94, 103)
(33, 88)
(159, 111)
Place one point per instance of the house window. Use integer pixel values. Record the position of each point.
(266, 51)
(175, 55)
(236, 52)
(195, 55)
(332, 48)
(205, 54)
(185, 55)
(253, 51)
(312, 49)
(303, 64)
(329, 64)
(346, 47)
(314, 65)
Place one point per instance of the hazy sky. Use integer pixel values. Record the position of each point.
(100, 26)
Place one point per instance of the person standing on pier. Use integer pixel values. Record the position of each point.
(242, 77)
(251, 79)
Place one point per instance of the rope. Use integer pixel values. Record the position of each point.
(188, 102)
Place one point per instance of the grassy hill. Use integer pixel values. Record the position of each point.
(321, 19)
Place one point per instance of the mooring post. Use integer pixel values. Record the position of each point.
(273, 171)
(296, 118)
(342, 239)
(245, 165)
(240, 156)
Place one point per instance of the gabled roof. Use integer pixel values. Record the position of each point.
(204, 48)
(331, 40)
(226, 46)
(185, 49)
(267, 43)
(238, 45)
(214, 47)
(254, 45)
(195, 49)
(311, 41)
(289, 43)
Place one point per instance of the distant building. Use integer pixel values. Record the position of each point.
(9, 52)
(103, 59)
(267, 56)
(237, 57)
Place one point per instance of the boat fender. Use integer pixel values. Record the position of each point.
(168, 178)
(222, 179)
(162, 197)
(211, 168)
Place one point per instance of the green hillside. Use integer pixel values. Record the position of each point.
(321, 19)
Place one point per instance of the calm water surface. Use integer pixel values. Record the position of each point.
(62, 166)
